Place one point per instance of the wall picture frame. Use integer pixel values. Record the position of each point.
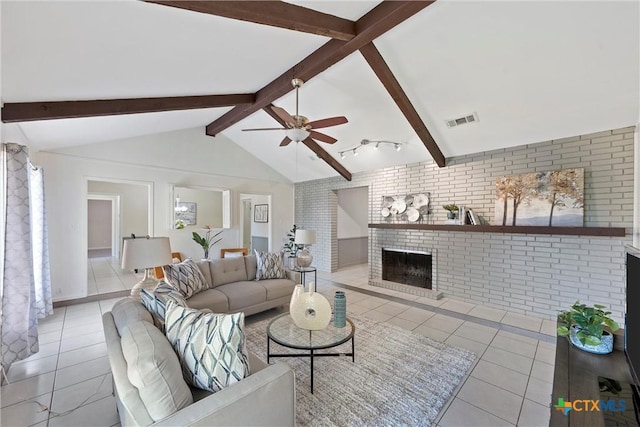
(261, 213)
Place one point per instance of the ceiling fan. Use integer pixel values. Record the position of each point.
(298, 128)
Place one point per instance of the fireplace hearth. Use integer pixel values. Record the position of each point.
(408, 267)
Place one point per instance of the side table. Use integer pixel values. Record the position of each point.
(303, 274)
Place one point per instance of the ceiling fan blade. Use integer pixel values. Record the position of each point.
(322, 137)
(250, 130)
(282, 113)
(285, 141)
(325, 123)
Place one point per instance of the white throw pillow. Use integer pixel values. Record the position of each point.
(270, 265)
(186, 277)
(211, 347)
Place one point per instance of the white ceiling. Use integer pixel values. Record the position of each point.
(532, 71)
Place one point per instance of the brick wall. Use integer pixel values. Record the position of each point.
(528, 274)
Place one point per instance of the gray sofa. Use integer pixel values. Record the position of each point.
(150, 390)
(233, 288)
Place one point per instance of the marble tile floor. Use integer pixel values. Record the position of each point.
(509, 385)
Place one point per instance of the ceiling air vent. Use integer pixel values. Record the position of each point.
(471, 118)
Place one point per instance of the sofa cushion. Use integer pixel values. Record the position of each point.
(185, 277)
(251, 263)
(204, 266)
(225, 271)
(211, 347)
(212, 299)
(128, 310)
(243, 294)
(270, 265)
(152, 367)
(277, 288)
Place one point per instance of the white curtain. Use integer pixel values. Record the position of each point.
(25, 283)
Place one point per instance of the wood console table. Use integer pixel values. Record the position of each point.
(576, 378)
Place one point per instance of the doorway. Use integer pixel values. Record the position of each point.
(352, 226)
(115, 209)
(255, 232)
(103, 225)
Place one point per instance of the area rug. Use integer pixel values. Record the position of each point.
(398, 378)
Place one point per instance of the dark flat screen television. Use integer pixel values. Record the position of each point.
(632, 316)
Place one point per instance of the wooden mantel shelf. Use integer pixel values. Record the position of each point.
(522, 229)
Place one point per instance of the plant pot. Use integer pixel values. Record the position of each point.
(605, 347)
(451, 215)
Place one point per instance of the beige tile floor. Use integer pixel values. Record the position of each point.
(509, 385)
(104, 275)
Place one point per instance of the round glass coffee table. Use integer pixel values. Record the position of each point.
(283, 331)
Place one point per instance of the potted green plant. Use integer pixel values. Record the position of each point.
(290, 246)
(453, 210)
(207, 241)
(585, 326)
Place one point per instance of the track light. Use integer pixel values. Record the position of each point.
(398, 147)
(375, 147)
(355, 152)
(342, 156)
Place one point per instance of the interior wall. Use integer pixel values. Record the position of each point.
(99, 224)
(528, 274)
(151, 159)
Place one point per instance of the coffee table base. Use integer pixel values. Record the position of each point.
(310, 355)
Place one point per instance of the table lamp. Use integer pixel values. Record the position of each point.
(304, 238)
(145, 252)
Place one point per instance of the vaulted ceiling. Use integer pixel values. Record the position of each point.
(77, 73)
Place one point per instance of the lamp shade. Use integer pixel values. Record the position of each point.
(305, 237)
(146, 253)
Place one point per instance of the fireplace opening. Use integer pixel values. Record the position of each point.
(407, 267)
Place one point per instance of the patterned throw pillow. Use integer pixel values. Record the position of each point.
(211, 347)
(185, 277)
(270, 265)
(156, 301)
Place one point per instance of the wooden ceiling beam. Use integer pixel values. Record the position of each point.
(376, 22)
(272, 13)
(46, 110)
(315, 147)
(382, 70)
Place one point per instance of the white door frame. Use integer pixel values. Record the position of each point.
(115, 219)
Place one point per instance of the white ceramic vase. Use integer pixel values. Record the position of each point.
(310, 310)
(298, 290)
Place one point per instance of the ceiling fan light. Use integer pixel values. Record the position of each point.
(297, 134)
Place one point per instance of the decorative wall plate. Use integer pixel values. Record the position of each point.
(385, 212)
(420, 200)
(399, 205)
(412, 214)
(387, 201)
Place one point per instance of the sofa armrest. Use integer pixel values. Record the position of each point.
(293, 275)
(266, 398)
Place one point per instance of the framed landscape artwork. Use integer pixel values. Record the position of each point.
(554, 198)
